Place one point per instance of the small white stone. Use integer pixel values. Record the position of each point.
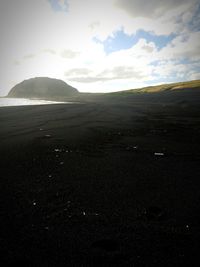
(158, 154)
(57, 150)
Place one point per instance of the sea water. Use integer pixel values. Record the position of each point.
(6, 102)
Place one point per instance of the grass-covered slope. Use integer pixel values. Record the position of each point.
(166, 87)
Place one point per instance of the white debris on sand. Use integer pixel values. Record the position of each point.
(159, 154)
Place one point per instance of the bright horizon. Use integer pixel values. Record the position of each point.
(100, 46)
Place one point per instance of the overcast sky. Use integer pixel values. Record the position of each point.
(99, 45)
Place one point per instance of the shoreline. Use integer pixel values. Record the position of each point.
(11, 102)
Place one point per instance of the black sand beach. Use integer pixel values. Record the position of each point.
(114, 181)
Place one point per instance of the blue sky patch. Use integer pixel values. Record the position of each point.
(56, 6)
(121, 40)
(175, 76)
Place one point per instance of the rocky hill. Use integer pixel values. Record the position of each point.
(42, 88)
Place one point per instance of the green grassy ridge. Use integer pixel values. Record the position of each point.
(164, 87)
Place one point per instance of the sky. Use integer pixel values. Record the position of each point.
(99, 46)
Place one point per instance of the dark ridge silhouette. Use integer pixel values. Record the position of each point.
(43, 88)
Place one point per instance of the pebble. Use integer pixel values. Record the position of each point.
(158, 154)
(57, 150)
(152, 213)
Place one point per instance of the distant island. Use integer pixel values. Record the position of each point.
(42, 88)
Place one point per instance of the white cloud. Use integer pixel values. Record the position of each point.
(159, 16)
(115, 73)
(70, 54)
(37, 41)
(149, 9)
(62, 4)
(182, 47)
(29, 56)
(77, 71)
(47, 50)
(194, 76)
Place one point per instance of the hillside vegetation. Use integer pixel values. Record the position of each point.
(166, 87)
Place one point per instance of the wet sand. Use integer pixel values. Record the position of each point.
(113, 181)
